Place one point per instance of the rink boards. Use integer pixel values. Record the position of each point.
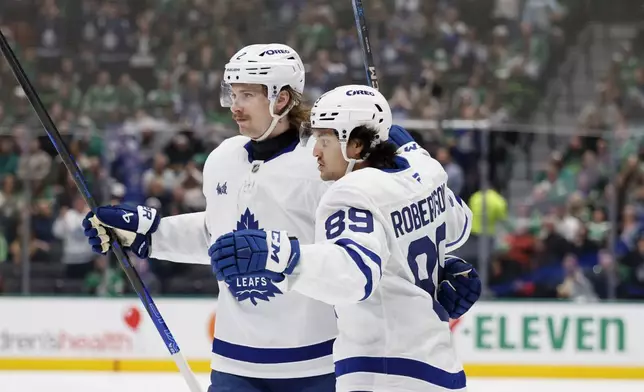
(495, 339)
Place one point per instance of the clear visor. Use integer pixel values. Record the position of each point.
(310, 135)
(227, 97)
(306, 133)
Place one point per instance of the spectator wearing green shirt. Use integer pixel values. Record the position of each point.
(130, 95)
(8, 157)
(162, 100)
(101, 100)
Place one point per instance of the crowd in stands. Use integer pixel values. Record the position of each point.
(561, 242)
(134, 88)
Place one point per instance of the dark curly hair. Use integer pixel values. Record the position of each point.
(382, 155)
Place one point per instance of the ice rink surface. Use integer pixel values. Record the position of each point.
(16, 381)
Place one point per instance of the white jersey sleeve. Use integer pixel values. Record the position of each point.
(182, 239)
(459, 218)
(345, 264)
(185, 238)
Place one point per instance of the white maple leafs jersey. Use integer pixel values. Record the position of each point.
(381, 237)
(260, 331)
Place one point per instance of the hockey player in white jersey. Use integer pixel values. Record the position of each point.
(262, 179)
(382, 232)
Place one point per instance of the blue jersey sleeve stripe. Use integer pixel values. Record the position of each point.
(345, 244)
(467, 222)
(373, 256)
(271, 355)
(366, 271)
(401, 367)
(458, 200)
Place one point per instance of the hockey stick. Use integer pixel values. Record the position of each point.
(71, 165)
(363, 33)
(367, 54)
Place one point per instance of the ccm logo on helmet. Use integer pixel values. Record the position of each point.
(360, 92)
(271, 52)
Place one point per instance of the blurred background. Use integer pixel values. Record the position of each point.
(534, 107)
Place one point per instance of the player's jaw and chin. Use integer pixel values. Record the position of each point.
(247, 125)
(331, 171)
(252, 124)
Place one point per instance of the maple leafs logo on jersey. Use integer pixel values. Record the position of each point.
(252, 288)
(247, 221)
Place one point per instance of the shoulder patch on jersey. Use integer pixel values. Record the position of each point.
(252, 288)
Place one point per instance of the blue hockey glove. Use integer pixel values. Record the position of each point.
(461, 288)
(254, 253)
(133, 226)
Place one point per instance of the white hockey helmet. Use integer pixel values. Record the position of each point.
(346, 108)
(272, 65)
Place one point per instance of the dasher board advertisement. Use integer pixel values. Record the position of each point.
(499, 339)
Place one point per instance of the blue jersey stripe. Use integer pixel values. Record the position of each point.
(344, 242)
(401, 367)
(364, 268)
(271, 355)
(467, 222)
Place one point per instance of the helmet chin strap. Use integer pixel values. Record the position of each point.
(276, 119)
(270, 129)
(352, 162)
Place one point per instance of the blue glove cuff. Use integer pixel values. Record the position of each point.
(142, 245)
(295, 256)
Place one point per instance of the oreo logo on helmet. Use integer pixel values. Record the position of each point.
(351, 93)
(271, 52)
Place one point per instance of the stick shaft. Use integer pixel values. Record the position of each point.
(365, 43)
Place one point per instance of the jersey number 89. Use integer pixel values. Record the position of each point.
(360, 221)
